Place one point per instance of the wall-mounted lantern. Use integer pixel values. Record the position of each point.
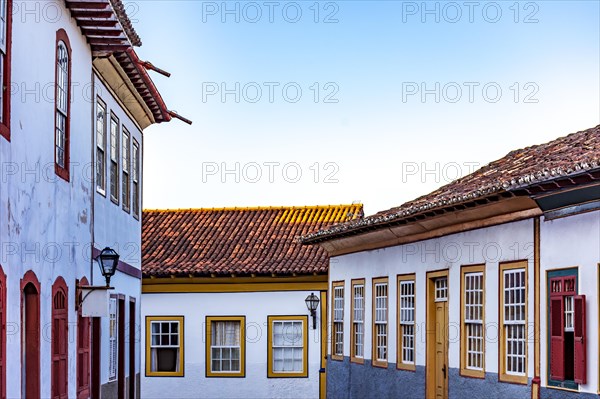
(312, 303)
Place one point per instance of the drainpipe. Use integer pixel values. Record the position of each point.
(93, 190)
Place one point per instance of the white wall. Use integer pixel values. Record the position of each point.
(502, 243)
(118, 229)
(256, 307)
(573, 241)
(47, 218)
(47, 222)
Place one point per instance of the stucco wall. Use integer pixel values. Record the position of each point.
(47, 222)
(492, 245)
(566, 243)
(256, 307)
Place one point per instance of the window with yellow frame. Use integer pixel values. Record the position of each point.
(225, 346)
(380, 322)
(337, 318)
(513, 322)
(472, 343)
(164, 346)
(357, 321)
(405, 356)
(287, 355)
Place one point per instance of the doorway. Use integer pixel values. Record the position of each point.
(122, 352)
(132, 330)
(437, 335)
(30, 338)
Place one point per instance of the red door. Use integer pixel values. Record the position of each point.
(60, 341)
(30, 308)
(122, 352)
(83, 353)
(132, 324)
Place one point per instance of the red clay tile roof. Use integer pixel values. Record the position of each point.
(566, 156)
(240, 241)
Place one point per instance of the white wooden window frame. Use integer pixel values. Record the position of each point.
(475, 343)
(407, 320)
(515, 321)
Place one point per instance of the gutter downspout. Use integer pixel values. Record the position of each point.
(93, 179)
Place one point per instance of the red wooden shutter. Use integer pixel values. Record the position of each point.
(557, 339)
(580, 371)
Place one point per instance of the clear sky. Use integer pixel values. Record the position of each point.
(305, 102)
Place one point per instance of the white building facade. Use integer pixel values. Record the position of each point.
(224, 307)
(62, 63)
(492, 293)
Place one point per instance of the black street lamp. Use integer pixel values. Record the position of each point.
(312, 303)
(108, 261)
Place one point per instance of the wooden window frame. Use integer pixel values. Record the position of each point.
(503, 376)
(6, 75)
(126, 169)
(334, 340)
(566, 385)
(400, 364)
(114, 357)
(62, 340)
(227, 374)
(374, 361)
(353, 357)
(277, 374)
(135, 178)
(100, 103)
(114, 194)
(63, 171)
(181, 333)
(464, 371)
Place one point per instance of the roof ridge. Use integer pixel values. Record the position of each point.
(253, 208)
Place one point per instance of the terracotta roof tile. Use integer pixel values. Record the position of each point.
(566, 156)
(240, 241)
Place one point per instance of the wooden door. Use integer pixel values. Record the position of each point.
(441, 350)
(121, 351)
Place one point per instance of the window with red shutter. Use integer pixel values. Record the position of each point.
(60, 341)
(563, 318)
(580, 364)
(557, 339)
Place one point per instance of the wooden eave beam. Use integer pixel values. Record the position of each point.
(101, 32)
(96, 23)
(88, 5)
(91, 14)
(107, 40)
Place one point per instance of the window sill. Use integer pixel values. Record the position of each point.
(513, 379)
(338, 358)
(380, 364)
(357, 360)
(63, 173)
(101, 192)
(164, 374)
(287, 375)
(567, 385)
(210, 374)
(480, 374)
(406, 367)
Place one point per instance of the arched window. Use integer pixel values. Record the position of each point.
(5, 41)
(63, 104)
(60, 342)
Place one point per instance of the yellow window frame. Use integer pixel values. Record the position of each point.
(208, 357)
(274, 374)
(374, 361)
(400, 365)
(149, 372)
(353, 357)
(503, 375)
(464, 371)
(334, 285)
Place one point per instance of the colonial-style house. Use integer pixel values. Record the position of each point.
(74, 101)
(484, 288)
(225, 299)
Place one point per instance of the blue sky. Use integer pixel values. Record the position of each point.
(371, 101)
